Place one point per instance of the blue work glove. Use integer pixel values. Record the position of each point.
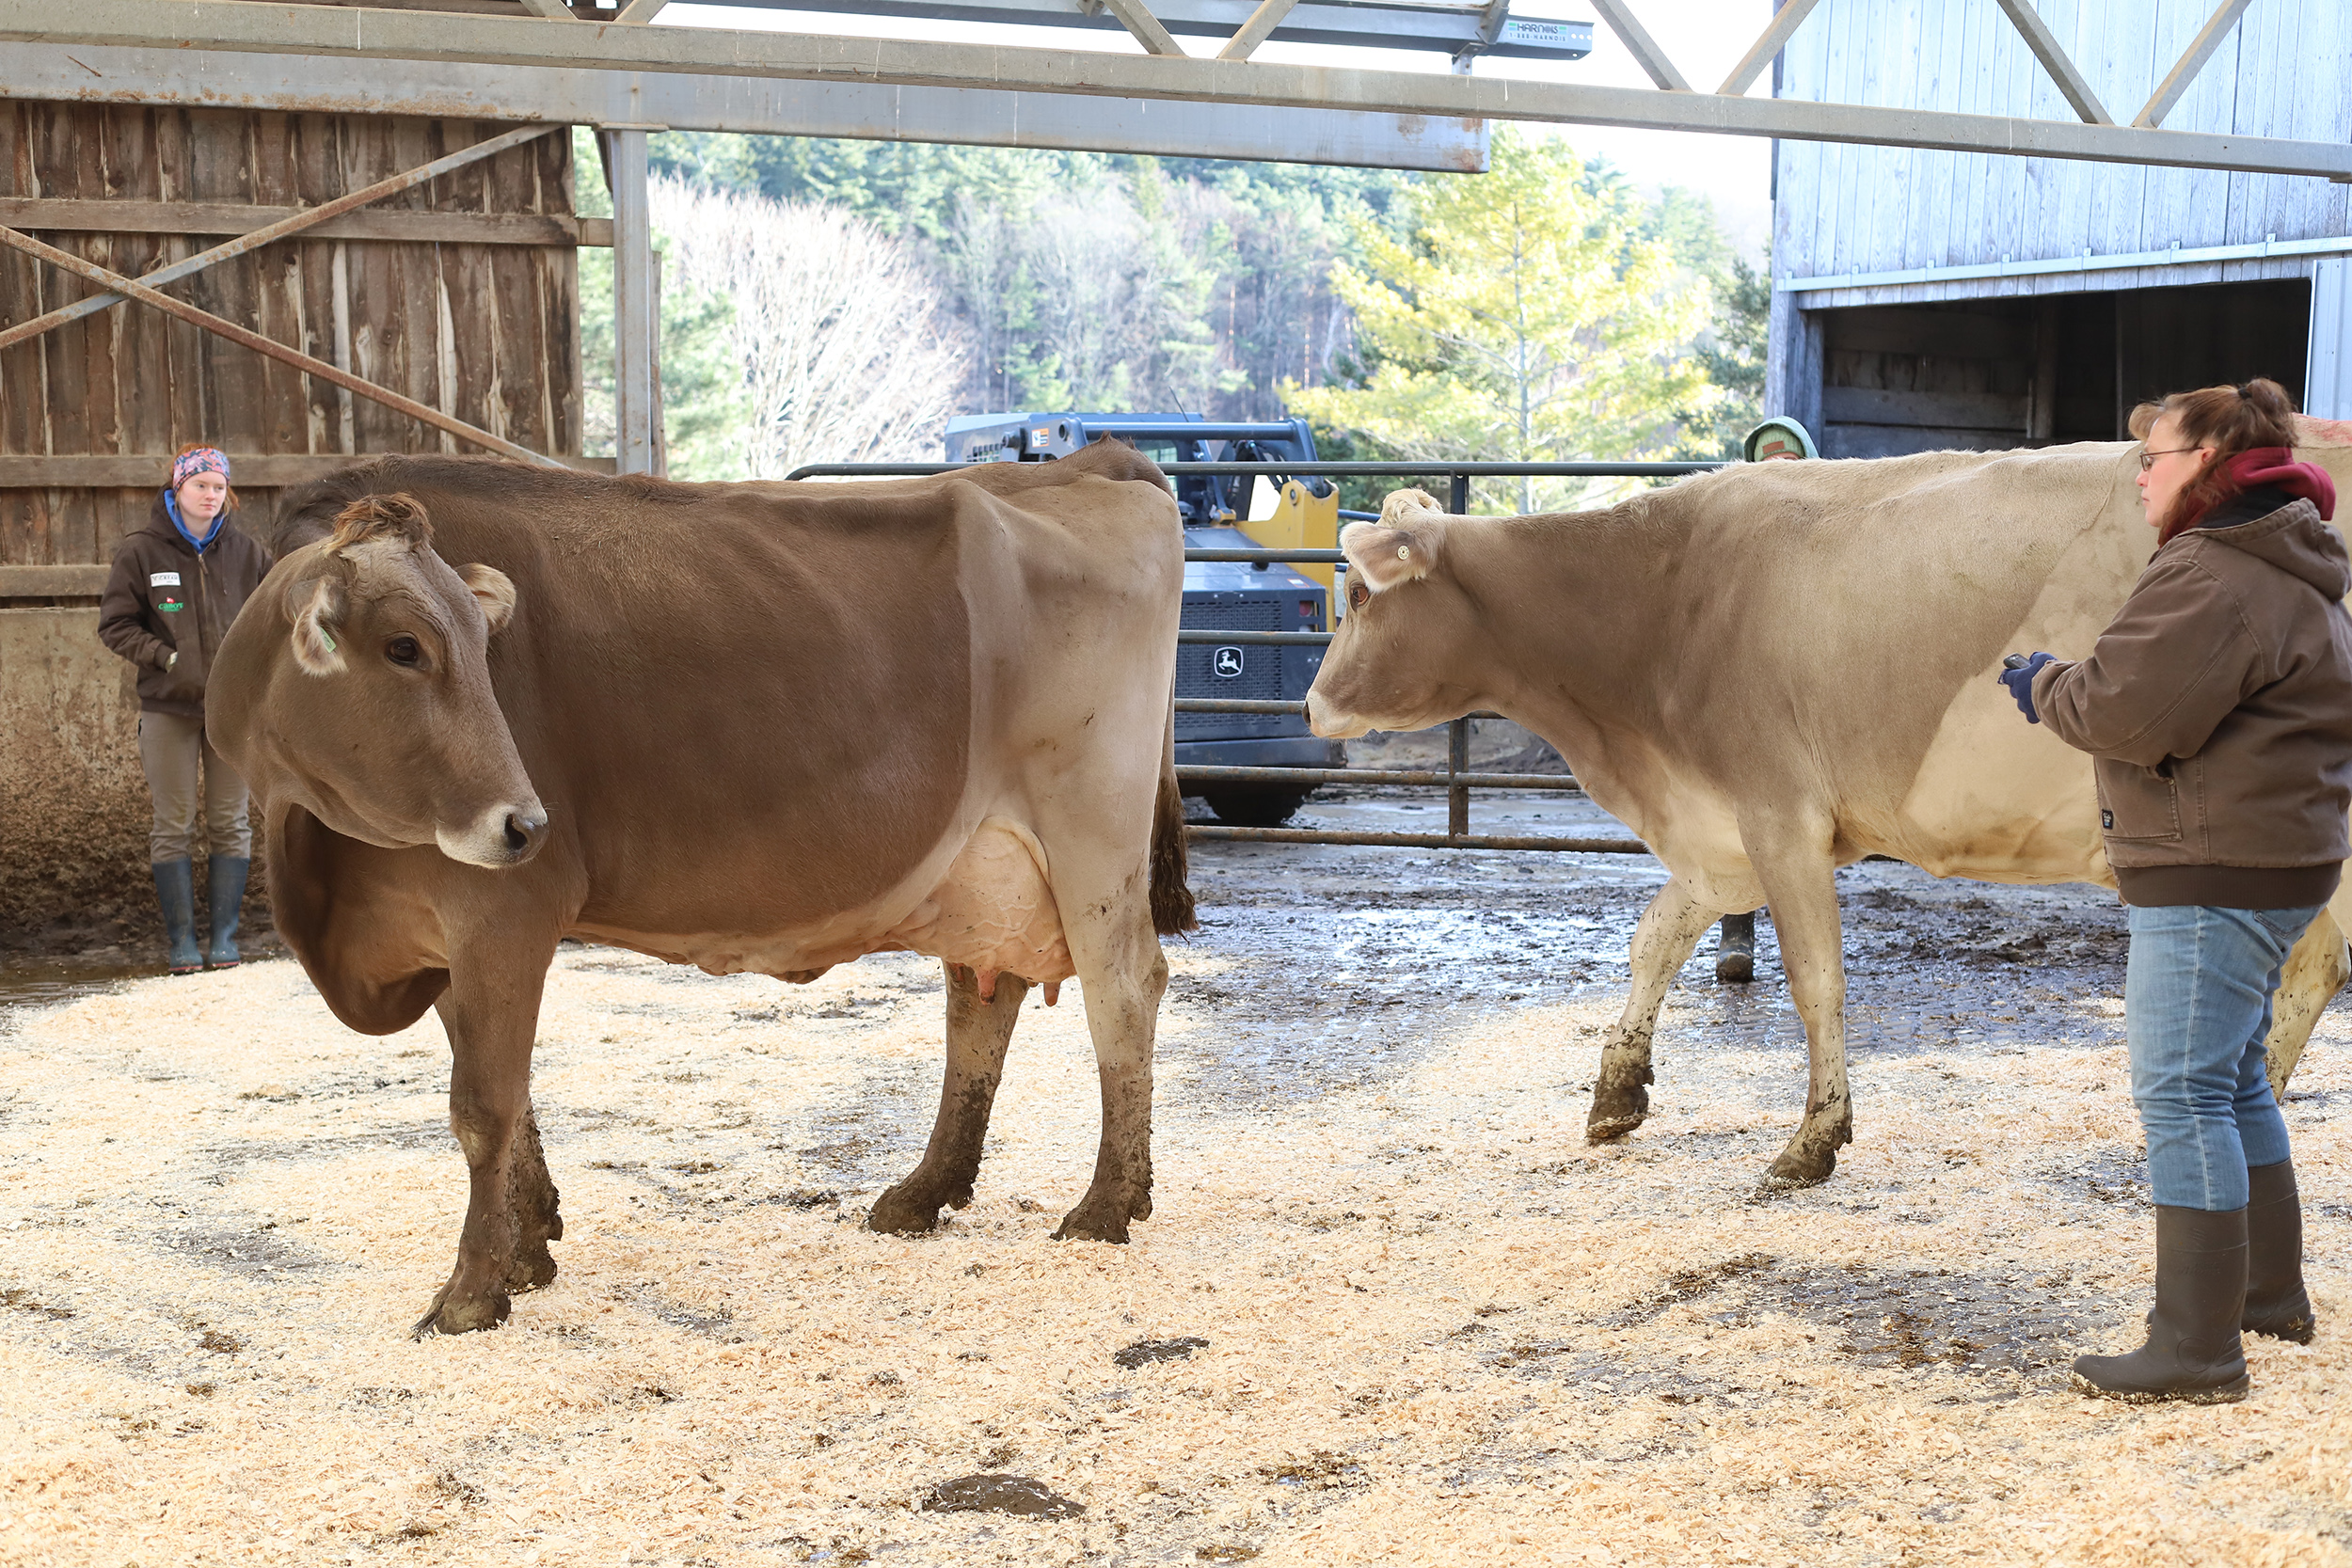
(2018, 677)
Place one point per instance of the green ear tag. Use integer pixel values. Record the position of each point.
(327, 640)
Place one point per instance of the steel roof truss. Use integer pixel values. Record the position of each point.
(2045, 47)
(2192, 60)
(1768, 44)
(1644, 48)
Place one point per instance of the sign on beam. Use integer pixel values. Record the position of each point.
(342, 85)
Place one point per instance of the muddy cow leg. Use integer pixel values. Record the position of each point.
(1800, 879)
(978, 1033)
(1670, 929)
(1123, 974)
(2315, 971)
(491, 1012)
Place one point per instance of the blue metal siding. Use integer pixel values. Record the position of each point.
(2285, 69)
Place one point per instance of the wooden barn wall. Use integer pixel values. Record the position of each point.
(489, 332)
(2282, 72)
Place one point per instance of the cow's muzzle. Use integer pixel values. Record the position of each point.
(505, 835)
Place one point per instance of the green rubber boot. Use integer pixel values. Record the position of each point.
(223, 902)
(175, 893)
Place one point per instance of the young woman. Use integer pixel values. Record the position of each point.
(177, 584)
(2219, 707)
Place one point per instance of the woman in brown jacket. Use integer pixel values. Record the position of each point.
(2218, 706)
(176, 586)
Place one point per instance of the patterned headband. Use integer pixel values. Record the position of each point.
(199, 460)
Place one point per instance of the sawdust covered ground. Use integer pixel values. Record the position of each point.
(1433, 1325)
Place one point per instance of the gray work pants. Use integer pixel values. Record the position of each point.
(171, 747)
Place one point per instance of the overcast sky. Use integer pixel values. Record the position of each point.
(1705, 38)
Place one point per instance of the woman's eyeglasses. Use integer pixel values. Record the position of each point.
(2148, 459)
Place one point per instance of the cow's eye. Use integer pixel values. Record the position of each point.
(1356, 595)
(404, 652)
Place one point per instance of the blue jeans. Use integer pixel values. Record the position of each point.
(2197, 1009)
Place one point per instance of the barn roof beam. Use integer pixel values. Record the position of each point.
(234, 26)
(319, 84)
(106, 278)
(1643, 47)
(2192, 60)
(308, 217)
(1137, 19)
(1778, 32)
(1255, 31)
(2044, 44)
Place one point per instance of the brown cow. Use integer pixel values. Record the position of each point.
(775, 727)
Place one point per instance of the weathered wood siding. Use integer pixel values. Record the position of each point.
(2285, 69)
(489, 332)
(442, 294)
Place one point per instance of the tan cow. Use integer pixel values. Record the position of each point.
(774, 728)
(1772, 671)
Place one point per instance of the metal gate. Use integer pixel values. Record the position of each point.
(1456, 778)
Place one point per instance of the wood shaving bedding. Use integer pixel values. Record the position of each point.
(1439, 1328)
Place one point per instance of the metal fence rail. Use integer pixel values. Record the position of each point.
(1456, 778)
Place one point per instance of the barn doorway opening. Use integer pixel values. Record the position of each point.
(1990, 374)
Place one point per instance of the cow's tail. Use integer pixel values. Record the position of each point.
(1171, 898)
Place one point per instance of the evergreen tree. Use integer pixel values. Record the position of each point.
(1521, 317)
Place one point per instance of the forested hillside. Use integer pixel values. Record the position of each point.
(1035, 279)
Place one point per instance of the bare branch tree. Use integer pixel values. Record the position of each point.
(848, 352)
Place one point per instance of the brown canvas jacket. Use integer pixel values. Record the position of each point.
(2219, 707)
(163, 598)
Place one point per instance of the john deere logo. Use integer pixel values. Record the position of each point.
(1227, 663)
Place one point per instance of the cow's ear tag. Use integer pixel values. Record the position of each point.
(314, 647)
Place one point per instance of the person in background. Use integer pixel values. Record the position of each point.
(2218, 709)
(176, 586)
(1776, 439)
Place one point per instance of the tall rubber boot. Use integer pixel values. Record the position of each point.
(1735, 949)
(224, 900)
(2193, 1353)
(175, 891)
(2276, 1302)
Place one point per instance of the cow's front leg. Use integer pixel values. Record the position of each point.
(1123, 974)
(1670, 929)
(491, 1012)
(1801, 884)
(978, 1033)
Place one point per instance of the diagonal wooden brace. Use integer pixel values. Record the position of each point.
(282, 229)
(108, 278)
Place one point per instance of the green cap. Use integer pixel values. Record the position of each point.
(1778, 437)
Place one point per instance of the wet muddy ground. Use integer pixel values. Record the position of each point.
(1390, 1308)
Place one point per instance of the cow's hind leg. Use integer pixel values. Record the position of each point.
(1108, 919)
(978, 1033)
(1670, 929)
(491, 1011)
(1801, 885)
(2315, 971)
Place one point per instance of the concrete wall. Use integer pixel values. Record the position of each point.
(73, 806)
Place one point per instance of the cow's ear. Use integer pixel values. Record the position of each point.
(494, 591)
(316, 607)
(1401, 546)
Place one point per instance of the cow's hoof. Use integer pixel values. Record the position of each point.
(899, 1211)
(534, 1268)
(463, 1317)
(1095, 1220)
(1616, 1113)
(1796, 1170)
